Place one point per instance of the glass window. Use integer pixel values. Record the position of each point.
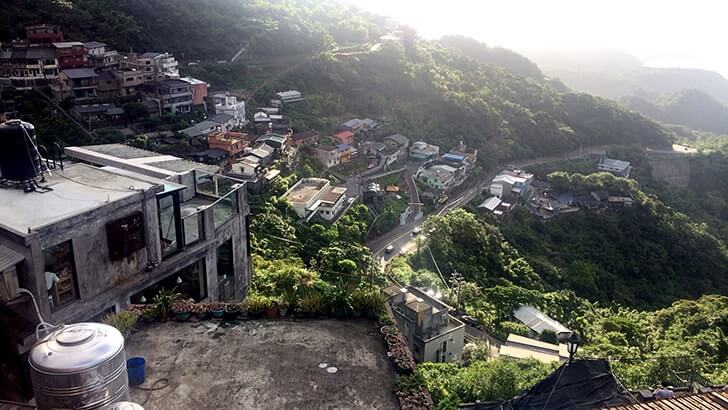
(170, 224)
(60, 275)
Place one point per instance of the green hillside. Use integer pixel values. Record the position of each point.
(691, 108)
(475, 93)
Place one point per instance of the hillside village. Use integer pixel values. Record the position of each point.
(172, 207)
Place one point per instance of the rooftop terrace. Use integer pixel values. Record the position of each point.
(264, 365)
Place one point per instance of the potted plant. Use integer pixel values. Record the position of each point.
(310, 304)
(385, 320)
(255, 305)
(201, 311)
(217, 310)
(182, 310)
(163, 302)
(373, 304)
(388, 330)
(270, 310)
(149, 314)
(358, 303)
(243, 310)
(232, 311)
(341, 303)
(282, 307)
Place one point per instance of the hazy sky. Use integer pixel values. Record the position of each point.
(686, 33)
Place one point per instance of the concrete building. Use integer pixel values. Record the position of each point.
(344, 137)
(71, 54)
(199, 91)
(316, 196)
(43, 34)
(231, 142)
(437, 176)
(510, 183)
(307, 137)
(129, 81)
(154, 66)
(171, 96)
(229, 104)
(432, 333)
(328, 155)
(116, 234)
(289, 96)
(76, 83)
(470, 154)
(26, 68)
(422, 151)
(615, 166)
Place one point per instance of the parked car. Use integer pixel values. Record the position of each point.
(416, 231)
(389, 249)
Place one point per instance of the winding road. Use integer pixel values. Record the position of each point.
(401, 238)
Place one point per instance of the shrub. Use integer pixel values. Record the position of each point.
(123, 321)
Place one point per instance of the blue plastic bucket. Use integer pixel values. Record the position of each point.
(135, 370)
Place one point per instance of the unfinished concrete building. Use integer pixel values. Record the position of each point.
(115, 230)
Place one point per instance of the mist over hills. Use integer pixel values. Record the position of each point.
(615, 74)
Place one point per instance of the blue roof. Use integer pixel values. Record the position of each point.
(453, 157)
(343, 146)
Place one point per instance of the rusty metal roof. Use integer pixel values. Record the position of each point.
(717, 400)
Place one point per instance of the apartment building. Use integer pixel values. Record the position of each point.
(26, 68)
(153, 65)
(171, 96)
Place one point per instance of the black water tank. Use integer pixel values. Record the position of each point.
(19, 158)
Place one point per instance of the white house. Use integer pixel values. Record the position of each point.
(229, 104)
(312, 196)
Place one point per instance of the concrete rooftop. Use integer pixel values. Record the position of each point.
(139, 160)
(264, 365)
(304, 191)
(78, 189)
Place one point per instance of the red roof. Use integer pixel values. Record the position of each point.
(344, 134)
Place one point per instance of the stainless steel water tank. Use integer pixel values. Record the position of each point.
(81, 366)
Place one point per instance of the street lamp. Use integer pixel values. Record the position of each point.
(572, 345)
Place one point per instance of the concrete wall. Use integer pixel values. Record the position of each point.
(455, 343)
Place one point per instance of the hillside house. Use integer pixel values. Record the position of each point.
(231, 142)
(230, 105)
(423, 151)
(437, 176)
(432, 333)
(289, 96)
(199, 92)
(71, 54)
(510, 183)
(316, 196)
(344, 137)
(307, 137)
(76, 83)
(171, 96)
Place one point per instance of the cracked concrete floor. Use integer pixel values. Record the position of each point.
(261, 364)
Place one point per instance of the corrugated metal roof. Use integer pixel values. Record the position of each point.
(9, 257)
(706, 401)
(537, 320)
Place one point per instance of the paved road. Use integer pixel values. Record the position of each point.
(401, 237)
